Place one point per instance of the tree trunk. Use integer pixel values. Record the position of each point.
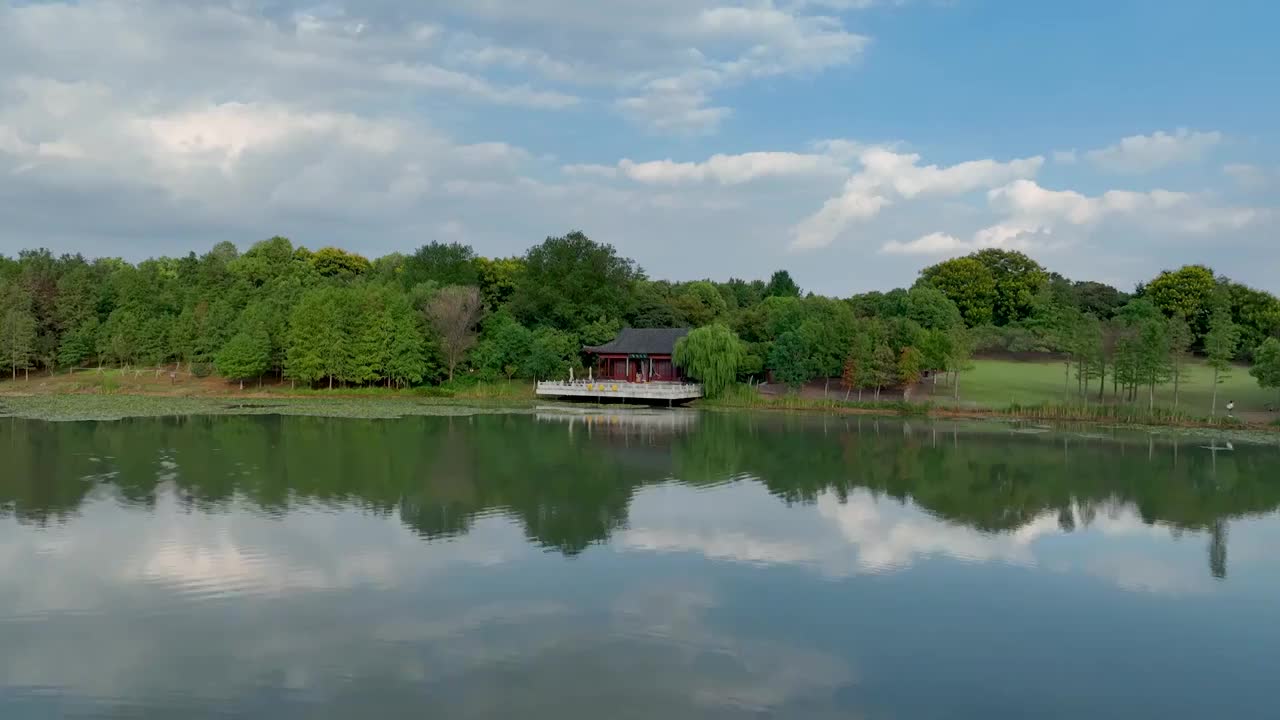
(242, 384)
(1213, 411)
(846, 393)
(826, 388)
(956, 388)
(859, 393)
(1066, 382)
(877, 393)
(1102, 382)
(330, 382)
(1177, 377)
(1151, 396)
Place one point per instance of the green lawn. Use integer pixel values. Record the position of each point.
(1000, 383)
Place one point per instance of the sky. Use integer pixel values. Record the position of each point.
(852, 142)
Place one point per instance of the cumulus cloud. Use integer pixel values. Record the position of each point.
(887, 176)
(728, 169)
(1145, 153)
(139, 127)
(1248, 177)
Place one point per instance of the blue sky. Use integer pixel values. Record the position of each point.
(851, 141)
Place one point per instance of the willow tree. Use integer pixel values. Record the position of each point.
(711, 354)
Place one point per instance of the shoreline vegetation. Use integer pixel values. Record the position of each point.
(111, 394)
(992, 333)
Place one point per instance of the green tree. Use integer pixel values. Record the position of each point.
(1090, 353)
(910, 362)
(1098, 298)
(317, 341)
(17, 339)
(337, 263)
(711, 354)
(932, 309)
(551, 354)
(1187, 292)
(79, 343)
(1220, 346)
(958, 360)
(699, 303)
(446, 264)
(504, 346)
(599, 332)
(1255, 313)
(246, 355)
(497, 278)
(1153, 356)
(568, 281)
(884, 368)
(969, 284)
(1018, 279)
(781, 285)
(1180, 339)
(1266, 366)
(790, 361)
(406, 351)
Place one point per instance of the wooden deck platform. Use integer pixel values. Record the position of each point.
(613, 389)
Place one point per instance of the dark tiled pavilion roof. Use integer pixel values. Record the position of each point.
(641, 341)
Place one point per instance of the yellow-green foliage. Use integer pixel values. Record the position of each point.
(710, 354)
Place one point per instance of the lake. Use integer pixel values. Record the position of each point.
(666, 565)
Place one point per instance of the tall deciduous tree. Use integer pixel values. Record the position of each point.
(1220, 346)
(1018, 279)
(17, 339)
(442, 263)
(790, 360)
(338, 263)
(969, 284)
(247, 355)
(571, 280)
(1266, 366)
(454, 313)
(958, 360)
(1187, 292)
(1180, 339)
(884, 367)
(910, 362)
(781, 285)
(710, 354)
(316, 338)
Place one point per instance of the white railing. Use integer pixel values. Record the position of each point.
(656, 389)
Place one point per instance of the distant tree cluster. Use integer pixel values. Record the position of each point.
(332, 318)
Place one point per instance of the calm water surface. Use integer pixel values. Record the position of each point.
(671, 566)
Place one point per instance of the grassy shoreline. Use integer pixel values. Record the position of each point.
(995, 389)
(1129, 415)
(390, 404)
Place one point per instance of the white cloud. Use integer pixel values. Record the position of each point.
(437, 78)
(728, 169)
(1248, 177)
(1011, 235)
(1065, 157)
(674, 112)
(1145, 153)
(1025, 198)
(887, 175)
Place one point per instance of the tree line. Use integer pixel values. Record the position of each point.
(329, 318)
